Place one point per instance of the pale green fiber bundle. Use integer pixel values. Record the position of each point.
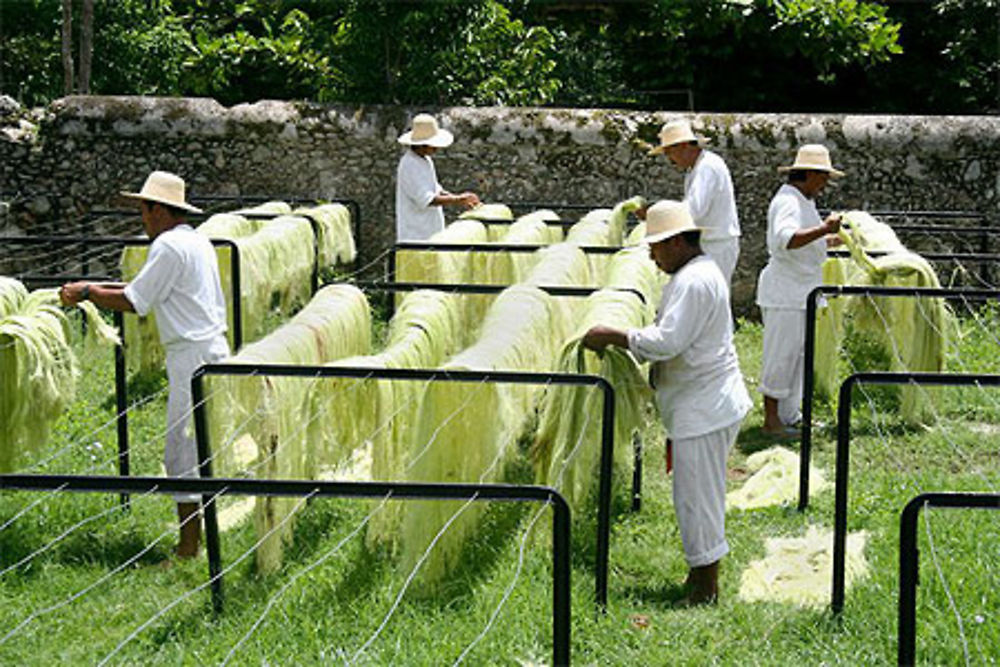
(631, 268)
(490, 212)
(276, 412)
(619, 217)
(12, 295)
(567, 445)
(38, 368)
(562, 264)
(443, 267)
(335, 235)
(635, 236)
(229, 226)
(913, 332)
(507, 268)
(554, 232)
(592, 230)
(467, 432)
(380, 414)
(267, 208)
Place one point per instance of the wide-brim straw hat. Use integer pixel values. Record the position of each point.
(675, 132)
(164, 188)
(665, 219)
(813, 157)
(425, 132)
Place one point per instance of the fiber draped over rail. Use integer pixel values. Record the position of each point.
(38, 367)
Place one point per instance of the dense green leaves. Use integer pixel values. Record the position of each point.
(768, 55)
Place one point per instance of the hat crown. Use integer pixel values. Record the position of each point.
(425, 126)
(813, 157)
(676, 132)
(667, 218)
(166, 188)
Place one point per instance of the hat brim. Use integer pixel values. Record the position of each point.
(662, 148)
(834, 173)
(442, 139)
(159, 200)
(663, 236)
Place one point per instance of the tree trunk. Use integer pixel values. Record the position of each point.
(67, 46)
(86, 45)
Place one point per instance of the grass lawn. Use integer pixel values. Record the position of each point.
(79, 580)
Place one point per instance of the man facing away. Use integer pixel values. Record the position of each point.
(700, 393)
(708, 193)
(180, 284)
(419, 196)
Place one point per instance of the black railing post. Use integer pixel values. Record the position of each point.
(840, 492)
(561, 580)
(604, 492)
(636, 472)
(909, 563)
(808, 382)
(212, 543)
(121, 402)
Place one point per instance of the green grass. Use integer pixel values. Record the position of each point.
(324, 612)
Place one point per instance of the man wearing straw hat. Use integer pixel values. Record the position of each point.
(797, 239)
(419, 196)
(708, 192)
(700, 393)
(179, 283)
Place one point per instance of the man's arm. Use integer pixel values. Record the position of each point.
(466, 199)
(806, 236)
(105, 295)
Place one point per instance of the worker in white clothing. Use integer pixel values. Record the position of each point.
(700, 393)
(797, 239)
(708, 193)
(179, 283)
(419, 196)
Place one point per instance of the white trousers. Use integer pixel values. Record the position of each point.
(700, 493)
(725, 252)
(180, 455)
(783, 361)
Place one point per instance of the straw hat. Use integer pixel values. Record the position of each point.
(426, 132)
(813, 157)
(675, 132)
(164, 188)
(665, 219)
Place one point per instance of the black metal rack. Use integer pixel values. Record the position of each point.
(843, 451)
(809, 374)
(425, 375)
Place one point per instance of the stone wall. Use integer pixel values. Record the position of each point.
(81, 150)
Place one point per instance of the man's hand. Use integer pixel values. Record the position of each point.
(71, 294)
(641, 212)
(600, 336)
(832, 223)
(469, 199)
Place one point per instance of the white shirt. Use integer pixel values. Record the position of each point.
(416, 188)
(790, 274)
(180, 284)
(699, 387)
(708, 192)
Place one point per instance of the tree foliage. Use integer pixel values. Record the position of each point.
(767, 55)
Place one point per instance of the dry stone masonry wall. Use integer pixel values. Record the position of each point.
(78, 152)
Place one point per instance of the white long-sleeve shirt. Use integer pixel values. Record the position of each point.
(180, 284)
(416, 188)
(708, 192)
(699, 387)
(790, 274)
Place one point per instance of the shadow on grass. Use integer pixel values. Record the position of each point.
(755, 439)
(663, 595)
